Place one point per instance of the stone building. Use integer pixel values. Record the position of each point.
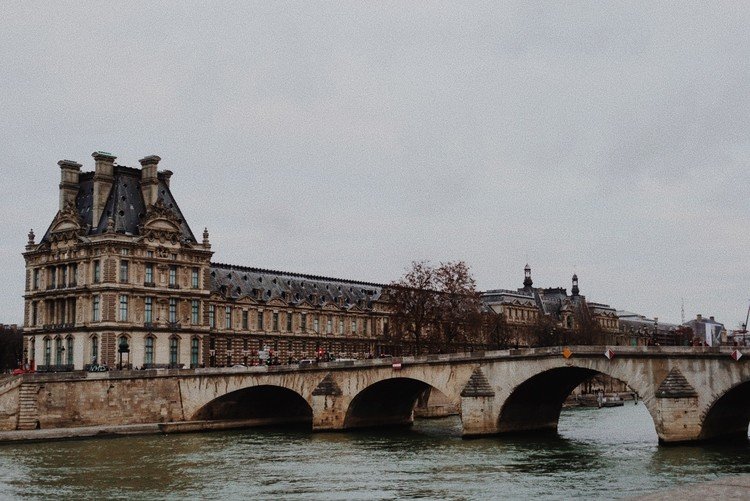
(120, 278)
(523, 308)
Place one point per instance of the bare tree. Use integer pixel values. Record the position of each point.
(497, 332)
(458, 302)
(413, 302)
(546, 333)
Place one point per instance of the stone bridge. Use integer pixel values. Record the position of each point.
(691, 393)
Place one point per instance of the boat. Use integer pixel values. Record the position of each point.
(611, 401)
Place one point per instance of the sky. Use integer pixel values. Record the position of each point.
(347, 139)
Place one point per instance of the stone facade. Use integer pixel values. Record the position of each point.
(120, 279)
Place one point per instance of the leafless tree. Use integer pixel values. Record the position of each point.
(413, 302)
(458, 302)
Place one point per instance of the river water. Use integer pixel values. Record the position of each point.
(598, 453)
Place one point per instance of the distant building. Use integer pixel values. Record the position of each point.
(638, 330)
(707, 331)
(524, 307)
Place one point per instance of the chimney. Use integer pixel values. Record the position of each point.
(70, 172)
(104, 176)
(166, 176)
(149, 181)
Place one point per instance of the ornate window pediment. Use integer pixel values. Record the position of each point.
(160, 223)
(67, 224)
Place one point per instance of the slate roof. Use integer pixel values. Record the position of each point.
(125, 204)
(294, 288)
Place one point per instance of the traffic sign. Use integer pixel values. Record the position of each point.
(609, 354)
(736, 355)
(567, 353)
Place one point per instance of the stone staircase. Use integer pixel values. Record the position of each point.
(28, 413)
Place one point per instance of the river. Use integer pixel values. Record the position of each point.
(598, 453)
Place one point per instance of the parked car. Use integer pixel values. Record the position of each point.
(307, 362)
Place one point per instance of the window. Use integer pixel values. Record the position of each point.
(149, 273)
(123, 308)
(275, 321)
(341, 326)
(36, 279)
(148, 357)
(354, 325)
(244, 320)
(194, 351)
(289, 321)
(124, 268)
(148, 313)
(47, 351)
(73, 275)
(364, 326)
(212, 316)
(34, 313)
(316, 325)
(194, 279)
(172, 310)
(124, 251)
(94, 350)
(69, 348)
(172, 276)
(260, 320)
(52, 276)
(228, 317)
(329, 325)
(195, 312)
(149, 253)
(97, 272)
(303, 322)
(174, 348)
(58, 351)
(95, 308)
(64, 278)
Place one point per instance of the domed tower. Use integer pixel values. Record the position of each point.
(527, 282)
(575, 289)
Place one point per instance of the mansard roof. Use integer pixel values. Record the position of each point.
(294, 288)
(125, 205)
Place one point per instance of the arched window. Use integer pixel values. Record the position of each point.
(194, 351)
(148, 357)
(47, 351)
(174, 350)
(59, 351)
(69, 350)
(94, 349)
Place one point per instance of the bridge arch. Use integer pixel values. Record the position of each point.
(387, 402)
(257, 405)
(728, 416)
(536, 402)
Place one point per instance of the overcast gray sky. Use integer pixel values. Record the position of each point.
(347, 139)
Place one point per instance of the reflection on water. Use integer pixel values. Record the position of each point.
(599, 453)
